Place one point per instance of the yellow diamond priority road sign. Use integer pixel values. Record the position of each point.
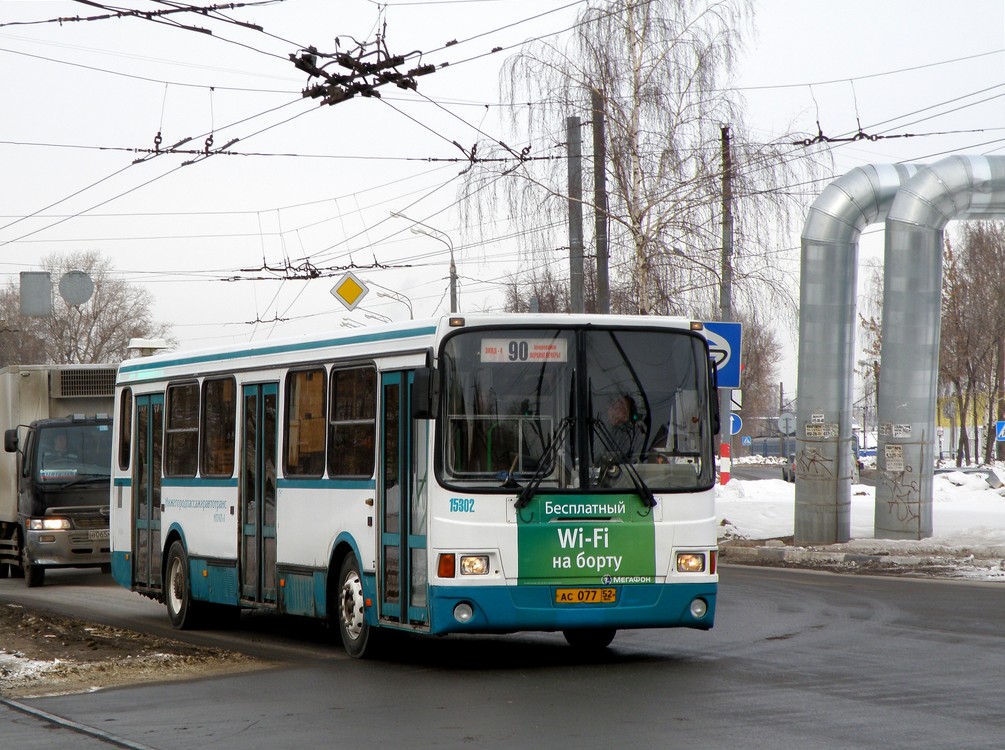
(350, 290)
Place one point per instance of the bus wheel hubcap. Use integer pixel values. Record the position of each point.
(352, 605)
(176, 585)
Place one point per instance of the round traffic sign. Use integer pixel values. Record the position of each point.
(735, 424)
(787, 423)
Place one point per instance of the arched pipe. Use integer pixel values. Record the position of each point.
(955, 188)
(827, 315)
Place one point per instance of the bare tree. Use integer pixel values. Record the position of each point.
(98, 330)
(760, 354)
(661, 68)
(973, 319)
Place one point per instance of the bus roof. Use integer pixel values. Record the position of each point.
(410, 335)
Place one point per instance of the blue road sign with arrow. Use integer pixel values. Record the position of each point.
(724, 340)
(735, 424)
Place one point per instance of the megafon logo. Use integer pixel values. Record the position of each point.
(718, 349)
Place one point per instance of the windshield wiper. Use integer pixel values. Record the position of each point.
(527, 493)
(84, 479)
(618, 458)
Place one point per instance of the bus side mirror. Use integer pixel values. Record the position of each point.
(425, 393)
(10, 440)
(713, 395)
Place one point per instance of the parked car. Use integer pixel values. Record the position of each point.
(789, 469)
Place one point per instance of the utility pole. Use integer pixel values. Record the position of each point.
(600, 203)
(725, 288)
(574, 141)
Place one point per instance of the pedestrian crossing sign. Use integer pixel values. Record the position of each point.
(1000, 432)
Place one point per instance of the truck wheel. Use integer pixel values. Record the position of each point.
(34, 575)
(182, 611)
(358, 637)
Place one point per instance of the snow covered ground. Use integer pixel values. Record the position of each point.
(968, 521)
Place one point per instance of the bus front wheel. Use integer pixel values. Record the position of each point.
(358, 637)
(178, 591)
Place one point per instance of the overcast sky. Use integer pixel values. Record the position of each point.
(83, 100)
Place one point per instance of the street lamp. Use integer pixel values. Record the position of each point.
(398, 297)
(445, 239)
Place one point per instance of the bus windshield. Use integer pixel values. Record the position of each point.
(598, 409)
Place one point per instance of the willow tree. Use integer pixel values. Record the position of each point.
(662, 70)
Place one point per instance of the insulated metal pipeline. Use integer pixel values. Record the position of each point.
(955, 188)
(827, 323)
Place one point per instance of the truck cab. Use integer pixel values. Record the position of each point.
(63, 479)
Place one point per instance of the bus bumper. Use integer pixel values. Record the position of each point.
(507, 609)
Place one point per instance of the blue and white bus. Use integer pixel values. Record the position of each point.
(475, 474)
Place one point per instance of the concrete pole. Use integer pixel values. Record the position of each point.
(574, 141)
(600, 203)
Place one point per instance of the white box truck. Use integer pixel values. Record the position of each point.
(55, 468)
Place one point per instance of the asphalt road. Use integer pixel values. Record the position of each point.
(796, 660)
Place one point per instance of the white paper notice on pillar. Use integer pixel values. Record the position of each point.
(894, 457)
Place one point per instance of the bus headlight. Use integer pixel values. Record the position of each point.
(48, 524)
(690, 562)
(463, 612)
(474, 565)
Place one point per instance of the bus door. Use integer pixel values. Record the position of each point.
(147, 491)
(257, 482)
(403, 498)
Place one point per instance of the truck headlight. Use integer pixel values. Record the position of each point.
(48, 524)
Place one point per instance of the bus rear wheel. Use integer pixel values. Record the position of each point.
(590, 639)
(182, 611)
(358, 638)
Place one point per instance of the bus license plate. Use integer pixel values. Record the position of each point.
(96, 535)
(586, 596)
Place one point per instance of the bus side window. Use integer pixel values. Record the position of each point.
(219, 415)
(125, 427)
(305, 423)
(181, 450)
(352, 423)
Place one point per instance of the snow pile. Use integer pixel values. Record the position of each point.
(968, 516)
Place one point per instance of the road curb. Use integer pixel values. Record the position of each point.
(949, 564)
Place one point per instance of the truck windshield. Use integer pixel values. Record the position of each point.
(71, 450)
(627, 407)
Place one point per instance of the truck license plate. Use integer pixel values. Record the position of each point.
(96, 535)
